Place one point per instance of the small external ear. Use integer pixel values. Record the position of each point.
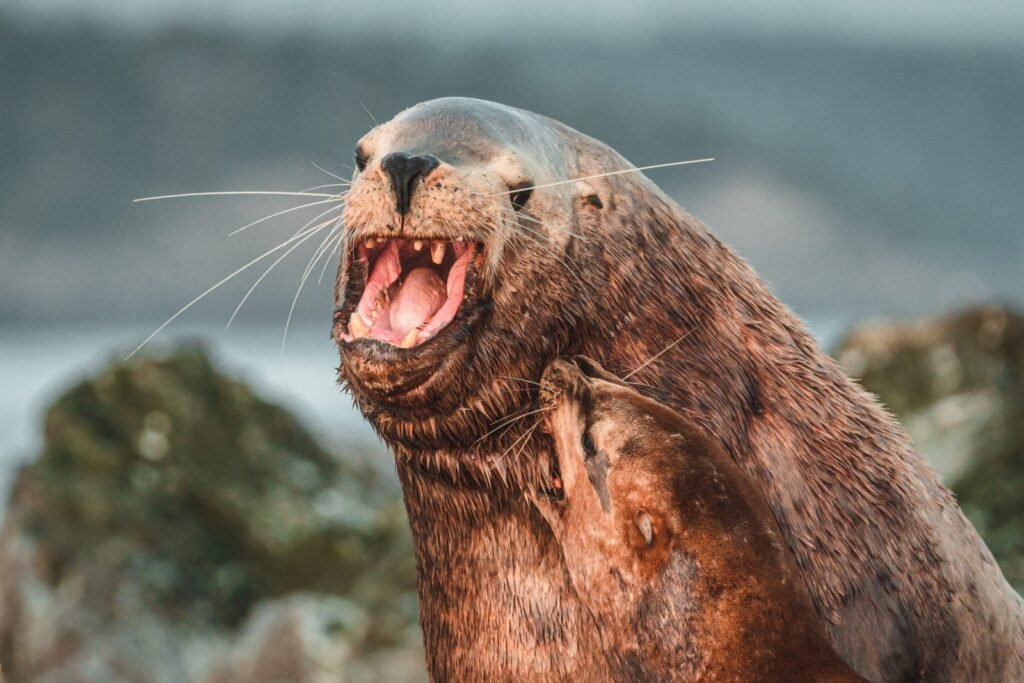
(645, 525)
(589, 195)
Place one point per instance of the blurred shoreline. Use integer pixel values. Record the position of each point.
(42, 361)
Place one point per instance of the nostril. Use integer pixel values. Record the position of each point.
(404, 170)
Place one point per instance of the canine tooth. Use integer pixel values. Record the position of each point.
(410, 339)
(417, 244)
(356, 326)
(370, 242)
(437, 252)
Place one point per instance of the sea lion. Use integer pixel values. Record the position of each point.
(671, 549)
(564, 250)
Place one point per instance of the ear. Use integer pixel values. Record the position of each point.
(588, 195)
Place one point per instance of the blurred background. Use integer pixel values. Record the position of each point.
(868, 166)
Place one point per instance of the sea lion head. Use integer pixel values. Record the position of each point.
(618, 455)
(472, 257)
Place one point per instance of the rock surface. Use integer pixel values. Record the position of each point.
(957, 384)
(176, 527)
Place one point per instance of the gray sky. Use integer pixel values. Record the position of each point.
(991, 21)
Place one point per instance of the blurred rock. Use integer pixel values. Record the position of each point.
(957, 384)
(176, 527)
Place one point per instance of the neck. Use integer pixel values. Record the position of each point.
(495, 600)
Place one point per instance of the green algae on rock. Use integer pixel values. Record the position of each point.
(957, 384)
(172, 501)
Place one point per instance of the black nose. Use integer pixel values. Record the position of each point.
(404, 169)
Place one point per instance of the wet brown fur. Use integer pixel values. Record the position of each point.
(671, 549)
(904, 586)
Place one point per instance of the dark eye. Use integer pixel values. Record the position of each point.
(589, 450)
(360, 160)
(520, 196)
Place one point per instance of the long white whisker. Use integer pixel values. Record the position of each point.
(508, 421)
(333, 175)
(525, 443)
(320, 187)
(307, 232)
(281, 213)
(302, 283)
(234, 194)
(370, 114)
(196, 300)
(528, 381)
(320, 249)
(605, 175)
(334, 251)
(542, 224)
(658, 355)
(282, 257)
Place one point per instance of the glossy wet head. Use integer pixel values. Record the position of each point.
(454, 275)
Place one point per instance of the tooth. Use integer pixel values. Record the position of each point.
(410, 339)
(437, 252)
(356, 327)
(370, 242)
(417, 244)
(458, 239)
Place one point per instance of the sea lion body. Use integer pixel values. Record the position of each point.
(669, 546)
(608, 266)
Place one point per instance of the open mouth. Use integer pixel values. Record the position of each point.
(414, 289)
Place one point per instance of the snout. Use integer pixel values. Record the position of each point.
(562, 378)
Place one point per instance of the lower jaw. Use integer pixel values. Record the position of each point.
(421, 383)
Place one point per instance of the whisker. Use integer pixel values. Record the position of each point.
(562, 258)
(507, 422)
(321, 250)
(312, 231)
(307, 234)
(333, 175)
(564, 229)
(234, 194)
(515, 443)
(605, 175)
(516, 215)
(510, 419)
(196, 300)
(281, 213)
(527, 441)
(302, 282)
(370, 114)
(528, 381)
(335, 251)
(320, 187)
(525, 438)
(657, 355)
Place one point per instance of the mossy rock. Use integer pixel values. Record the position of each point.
(957, 384)
(208, 499)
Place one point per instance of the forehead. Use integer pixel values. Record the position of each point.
(461, 130)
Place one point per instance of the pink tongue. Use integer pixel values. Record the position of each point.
(419, 297)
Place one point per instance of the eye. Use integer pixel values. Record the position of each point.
(360, 160)
(520, 196)
(589, 450)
